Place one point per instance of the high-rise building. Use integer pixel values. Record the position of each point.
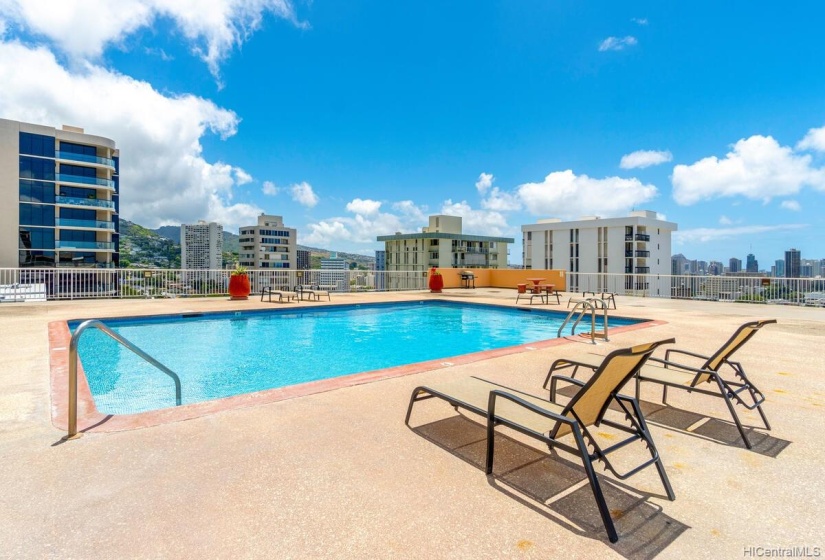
(380, 269)
(333, 272)
(792, 258)
(735, 265)
(752, 265)
(59, 197)
(679, 265)
(201, 246)
(269, 244)
(780, 268)
(303, 259)
(636, 244)
(442, 245)
(715, 268)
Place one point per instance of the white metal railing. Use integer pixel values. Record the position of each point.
(70, 282)
(29, 284)
(751, 289)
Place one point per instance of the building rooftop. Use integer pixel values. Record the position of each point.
(337, 473)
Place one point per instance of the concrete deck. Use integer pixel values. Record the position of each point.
(337, 474)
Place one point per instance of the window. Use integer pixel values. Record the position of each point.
(73, 148)
(36, 191)
(77, 170)
(36, 144)
(36, 238)
(77, 235)
(77, 214)
(35, 168)
(36, 214)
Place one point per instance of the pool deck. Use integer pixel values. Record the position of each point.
(335, 473)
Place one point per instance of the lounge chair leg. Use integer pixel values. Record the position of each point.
(736, 418)
(491, 438)
(764, 418)
(597, 490)
(637, 410)
(413, 399)
(664, 394)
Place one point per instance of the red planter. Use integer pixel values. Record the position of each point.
(239, 286)
(436, 283)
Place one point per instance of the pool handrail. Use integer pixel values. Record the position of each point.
(96, 323)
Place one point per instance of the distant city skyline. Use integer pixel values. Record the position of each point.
(356, 120)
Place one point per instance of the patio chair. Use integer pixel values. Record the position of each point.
(314, 292)
(729, 383)
(548, 421)
(282, 293)
(550, 291)
(522, 291)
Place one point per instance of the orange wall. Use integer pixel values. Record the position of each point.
(503, 278)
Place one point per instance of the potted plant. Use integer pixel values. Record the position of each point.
(239, 283)
(436, 282)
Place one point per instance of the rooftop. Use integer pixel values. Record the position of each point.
(337, 474)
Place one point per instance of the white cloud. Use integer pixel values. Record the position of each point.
(164, 176)
(617, 43)
(303, 194)
(566, 195)
(212, 27)
(478, 222)
(706, 235)
(814, 140)
(645, 158)
(269, 188)
(757, 168)
(364, 207)
(485, 181)
(500, 201)
(411, 211)
(790, 205)
(725, 221)
(367, 224)
(640, 21)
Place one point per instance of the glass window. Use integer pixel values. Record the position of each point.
(36, 258)
(36, 144)
(73, 148)
(77, 214)
(36, 214)
(36, 191)
(77, 170)
(77, 235)
(36, 238)
(36, 168)
(78, 192)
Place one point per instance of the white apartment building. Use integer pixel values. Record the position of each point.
(59, 197)
(442, 245)
(201, 246)
(334, 272)
(269, 244)
(638, 246)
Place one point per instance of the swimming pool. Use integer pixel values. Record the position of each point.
(224, 354)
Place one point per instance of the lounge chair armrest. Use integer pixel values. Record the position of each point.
(564, 364)
(556, 378)
(495, 394)
(670, 351)
(698, 371)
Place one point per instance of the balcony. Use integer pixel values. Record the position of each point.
(83, 158)
(78, 245)
(637, 237)
(93, 202)
(79, 180)
(642, 270)
(84, 224)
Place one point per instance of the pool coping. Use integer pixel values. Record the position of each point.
(91, 420)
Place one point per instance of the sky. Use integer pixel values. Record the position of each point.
(361, 118)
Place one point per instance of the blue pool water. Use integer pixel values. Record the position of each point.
(224, 354)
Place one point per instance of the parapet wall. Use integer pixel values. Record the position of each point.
(503, 278)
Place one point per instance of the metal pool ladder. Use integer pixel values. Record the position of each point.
(582, 307)
(72, 431)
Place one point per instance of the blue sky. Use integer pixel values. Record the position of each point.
(361, 118)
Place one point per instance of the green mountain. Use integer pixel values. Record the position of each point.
(140, 246)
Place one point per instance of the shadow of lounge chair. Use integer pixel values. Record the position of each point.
(549, 421)
(724, 378)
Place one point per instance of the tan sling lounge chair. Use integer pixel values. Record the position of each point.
(548, 421)
(709, 376)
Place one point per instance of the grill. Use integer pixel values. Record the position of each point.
(468, 279)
